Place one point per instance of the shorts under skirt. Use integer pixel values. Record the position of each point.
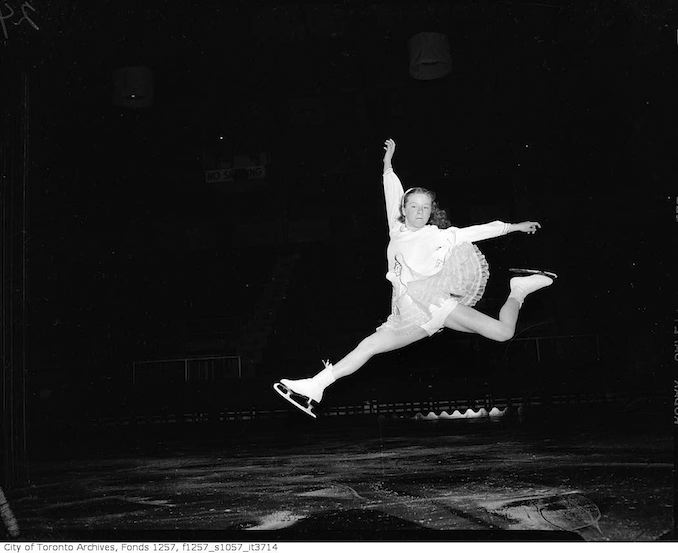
(427, 302)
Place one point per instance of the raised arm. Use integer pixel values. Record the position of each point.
(393, 189)
(476, 233)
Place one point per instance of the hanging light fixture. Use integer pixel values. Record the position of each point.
(429, 56)
(133, 87)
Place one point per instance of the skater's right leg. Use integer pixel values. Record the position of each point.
(379, 342)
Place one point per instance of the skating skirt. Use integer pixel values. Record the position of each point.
(427, 302)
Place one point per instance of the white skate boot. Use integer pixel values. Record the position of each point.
(524, 285)
(305, 393)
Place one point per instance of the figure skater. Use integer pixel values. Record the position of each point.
(438, 274)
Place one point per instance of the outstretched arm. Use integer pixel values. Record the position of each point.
(529, 227)
(393, 189)
(495, 228)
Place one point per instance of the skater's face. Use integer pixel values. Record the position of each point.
(417, 210)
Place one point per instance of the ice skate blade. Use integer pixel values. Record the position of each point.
(286, 393)
(534, 272)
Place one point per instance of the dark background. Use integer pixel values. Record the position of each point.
(561, 112)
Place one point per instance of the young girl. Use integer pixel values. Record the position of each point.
(437, 274)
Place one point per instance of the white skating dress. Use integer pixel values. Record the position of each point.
(432, 270)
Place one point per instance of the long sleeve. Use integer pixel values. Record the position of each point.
(393, 194)
(476, 233)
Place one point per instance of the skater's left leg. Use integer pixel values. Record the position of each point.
(502, 329)
(468, 319)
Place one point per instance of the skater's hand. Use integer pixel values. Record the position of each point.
(530, 227)
(389, 146)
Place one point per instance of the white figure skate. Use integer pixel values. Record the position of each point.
(522, 286)
(300, 393)
(525, 272)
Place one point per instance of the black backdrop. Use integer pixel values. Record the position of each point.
(556, 111)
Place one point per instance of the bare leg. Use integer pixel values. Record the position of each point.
(379, 342)
(470, 320)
